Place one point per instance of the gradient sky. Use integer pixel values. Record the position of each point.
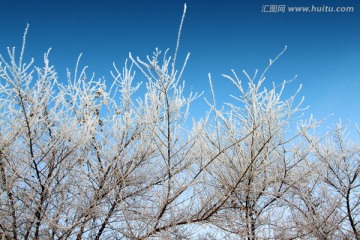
(323, 48)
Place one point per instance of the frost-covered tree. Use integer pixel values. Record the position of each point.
(256, 143)
(82, 158)
(327, 204)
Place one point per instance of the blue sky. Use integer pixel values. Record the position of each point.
(323, 48)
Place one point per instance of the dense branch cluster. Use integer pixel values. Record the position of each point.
(81, 159)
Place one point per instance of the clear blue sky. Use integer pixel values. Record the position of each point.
(323, 48)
